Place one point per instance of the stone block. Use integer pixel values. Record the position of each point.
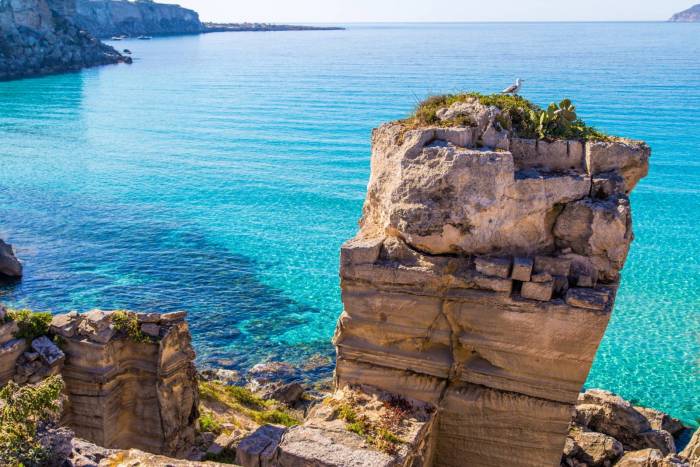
(144, 318)
(7, 332)
(522, 269)
(150, 329)
(260, 444)
(542, 277)
(463, 137)
(585, 281)
(552, 265)
(629, 159)
(48, 351)
(496, 267)
(495, 284)
(588, 298)
(555, 156)
(361, 251)
(541, 291)
(174, 317)
(65, 325)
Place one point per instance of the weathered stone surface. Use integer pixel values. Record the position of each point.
(324, 439)
(10, 352)
(150, 329)
(522, 269)
(47, 350)
(595, 449)
(588, 298)
(555, 156)
(258, 448)
(9, 264)
(124, 394)
(541, 291)
(661, 421)
(498, 267)
(136, 458)
(628, 158)
(65, 325)
(7, 332)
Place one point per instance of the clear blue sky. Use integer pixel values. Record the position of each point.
(301, 11)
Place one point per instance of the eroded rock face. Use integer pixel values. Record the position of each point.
(105, 18)
(125, 393)
(482, 280)
(40, 37)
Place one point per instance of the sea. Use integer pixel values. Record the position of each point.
(220, 173)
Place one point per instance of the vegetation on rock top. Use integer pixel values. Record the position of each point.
(22, 409)
(127, 324)
(30, 324)
(522, 117)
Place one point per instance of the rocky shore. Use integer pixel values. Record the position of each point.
(40, 37)
(691, 15)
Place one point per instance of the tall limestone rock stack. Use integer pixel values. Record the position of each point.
(39, 37)
(483, 277)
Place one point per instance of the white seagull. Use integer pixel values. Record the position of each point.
(514, 89)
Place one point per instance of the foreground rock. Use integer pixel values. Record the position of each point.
(607, 430)
(125, 387)
(9, 264)
(691, 15)
(40, 37)
(107, 18)
(483, 277)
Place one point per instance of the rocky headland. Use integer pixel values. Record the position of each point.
(40, 37)
(107, 18)
(263, 27)
(691, 15)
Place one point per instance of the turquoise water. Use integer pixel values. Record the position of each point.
(221, 173)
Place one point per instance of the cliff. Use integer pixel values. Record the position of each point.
(485, 271)
(39, 37)
(106, 18)
(691, 15)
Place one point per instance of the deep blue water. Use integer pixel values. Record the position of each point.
(220, 174)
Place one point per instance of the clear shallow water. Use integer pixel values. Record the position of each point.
(221, 173)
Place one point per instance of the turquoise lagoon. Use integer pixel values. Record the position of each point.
(221, 173)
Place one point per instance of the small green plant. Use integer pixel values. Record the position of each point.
(30, 324)
(246, 397)
(208, 423)
(518, 115)
(128, 324)
(22, 408)
(376, 433)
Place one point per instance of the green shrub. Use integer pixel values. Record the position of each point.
(30, 324)
(524, 118)
(208, 423)
(128, 324)
(246, 397)
(22, 408)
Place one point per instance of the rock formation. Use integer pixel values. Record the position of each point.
(607, 430)
(39, 37)
(130, 378)
(483, 277)
(106, 18)
(9, 264)
(691, 15)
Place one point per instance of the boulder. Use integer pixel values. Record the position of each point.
(48, 351)
(594, 449)
(259, 447)
(661, 421)
(692, 450)
(9, 264)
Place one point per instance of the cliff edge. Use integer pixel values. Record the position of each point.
(106, 18)
(39, 37)
(691, 15)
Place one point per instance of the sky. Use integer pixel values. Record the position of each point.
(345, 11)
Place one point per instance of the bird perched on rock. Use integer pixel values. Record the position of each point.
(514, 89)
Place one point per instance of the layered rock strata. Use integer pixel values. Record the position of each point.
(483, 277)
(106, 18)
(125, 392)
(39, 37)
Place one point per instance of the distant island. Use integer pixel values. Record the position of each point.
(691, 15)
(263, 27)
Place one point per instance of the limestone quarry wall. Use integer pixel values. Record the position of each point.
(482, 280)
